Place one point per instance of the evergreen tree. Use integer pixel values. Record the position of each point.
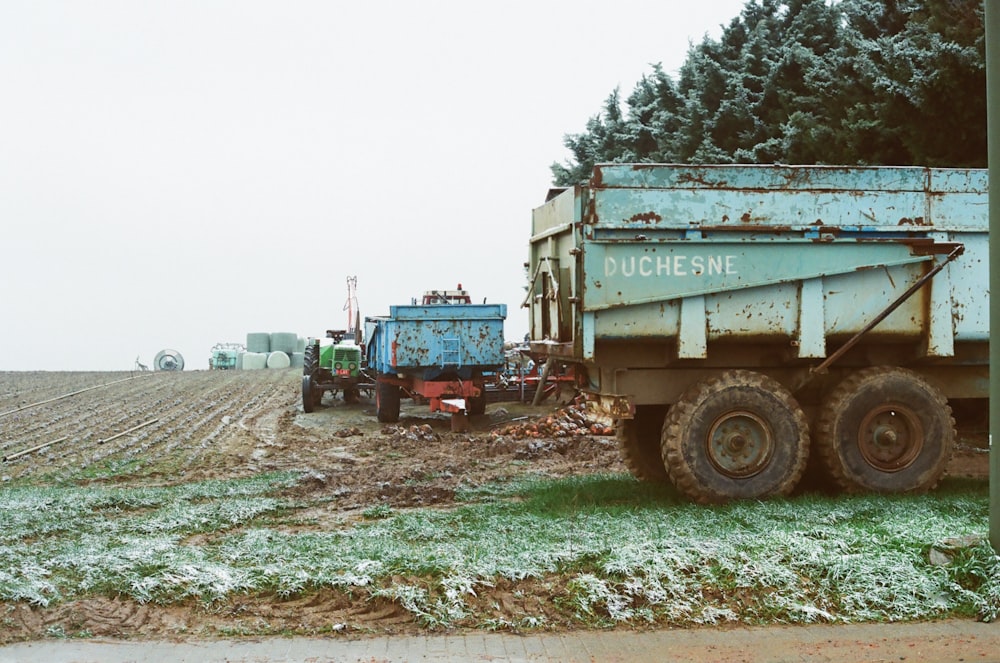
(888, 82)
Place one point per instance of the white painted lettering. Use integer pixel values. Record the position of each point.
(667, 265)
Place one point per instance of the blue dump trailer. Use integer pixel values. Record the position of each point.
(734, 320)
(438, 351)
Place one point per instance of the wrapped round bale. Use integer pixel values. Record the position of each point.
(298, 359)
(300, 345)
(278, 359)
(239, 361)
(259, 342)
(285, 342)
(254, 361)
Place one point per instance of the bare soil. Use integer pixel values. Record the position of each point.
(197, 425)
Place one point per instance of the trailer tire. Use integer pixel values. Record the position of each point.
(387, 402)
(886, 430)
(739, 435)
(639, 444)
(476, 405)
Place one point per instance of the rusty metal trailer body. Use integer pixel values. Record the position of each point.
(438, 351)
(770, 288)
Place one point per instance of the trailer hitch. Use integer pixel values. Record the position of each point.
(921, 249)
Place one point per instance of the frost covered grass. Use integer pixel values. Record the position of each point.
(603, 549)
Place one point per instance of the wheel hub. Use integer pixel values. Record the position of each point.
(740, 444)
(890, 438)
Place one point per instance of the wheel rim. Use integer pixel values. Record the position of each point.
(740, 444)
(890, 438)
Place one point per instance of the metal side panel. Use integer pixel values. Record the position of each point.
(811, 339)
(465, 336)
(681, 208)
(940, 324)
(629, 273)
(970, 288)
(762, 178)
(853, 300)
(692, 342)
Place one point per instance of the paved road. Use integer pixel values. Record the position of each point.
(953, 640)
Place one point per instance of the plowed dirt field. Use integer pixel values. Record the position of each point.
(209, 425)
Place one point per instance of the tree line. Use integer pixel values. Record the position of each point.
(852, 82)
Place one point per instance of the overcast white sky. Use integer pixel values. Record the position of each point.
(176, 173)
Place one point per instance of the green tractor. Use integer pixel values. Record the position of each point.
(331, 367)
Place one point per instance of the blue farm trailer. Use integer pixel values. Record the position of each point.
(734, 319)
(438, 349)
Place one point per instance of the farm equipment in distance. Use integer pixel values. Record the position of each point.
(224, 356)
(524, 380)
(333, 367)
(438, 350)
(336, 365)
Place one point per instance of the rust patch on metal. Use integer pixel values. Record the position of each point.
(692, 178)
(777, 230)
(646, 217)
(918, 221)
(597, 179)
(746, 218)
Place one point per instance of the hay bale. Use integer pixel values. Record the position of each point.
(254, 361)
(298, 359)
(284, 342)
(278, 359)
(259, 342)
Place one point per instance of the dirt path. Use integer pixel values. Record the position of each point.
(952, 640)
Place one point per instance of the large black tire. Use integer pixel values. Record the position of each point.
(310, 359)
(639, 444)
(308, 402)
(740, 435)
(885, 430)
(387, 402)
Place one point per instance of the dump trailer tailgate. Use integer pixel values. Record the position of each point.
(427, 341)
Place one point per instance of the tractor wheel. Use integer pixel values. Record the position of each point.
(639, 444)
(308, 404)
(476, 405)
(740, 435)
(885, 430)
(310, 359)
(387, 402)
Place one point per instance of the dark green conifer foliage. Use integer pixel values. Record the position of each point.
(866, 82)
